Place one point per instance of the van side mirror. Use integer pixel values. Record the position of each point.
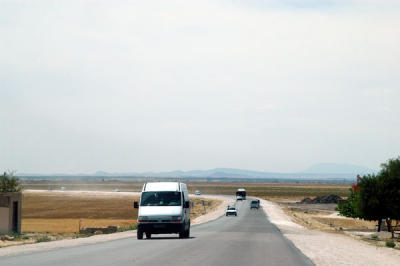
(186, 204)
(135, 205)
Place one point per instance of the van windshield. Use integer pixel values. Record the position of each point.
(161, 198)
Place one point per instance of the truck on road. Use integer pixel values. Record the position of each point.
(241, 194)
(164, 208)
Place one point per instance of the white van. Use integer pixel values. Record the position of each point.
(164, 209)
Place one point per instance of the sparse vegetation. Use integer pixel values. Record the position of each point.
(390, 244)
(127, 228)
(14, 234)
(43, 239)
(68, 212)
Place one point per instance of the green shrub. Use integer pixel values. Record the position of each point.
(13, 234)
(43, 239)
(375, 237)
(9, 183)
(127, 228)
(390, 244)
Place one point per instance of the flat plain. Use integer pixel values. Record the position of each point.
(293, 190)
(67, 212)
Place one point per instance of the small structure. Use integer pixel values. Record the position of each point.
(10, 212)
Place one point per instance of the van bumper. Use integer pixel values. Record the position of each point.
(161, 228)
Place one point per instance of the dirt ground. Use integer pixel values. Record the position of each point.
(324, 218)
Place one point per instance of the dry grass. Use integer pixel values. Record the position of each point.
(262, 190)
(71, 205)
(56, 212)
(274, 191)
(65, 226)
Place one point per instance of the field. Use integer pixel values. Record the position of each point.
(66, 212)
(274, 191)
(294, 191)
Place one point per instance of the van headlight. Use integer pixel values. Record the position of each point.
(176, 219)
(142, 219)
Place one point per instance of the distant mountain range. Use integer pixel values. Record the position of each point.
(322, 170)
(333, 168)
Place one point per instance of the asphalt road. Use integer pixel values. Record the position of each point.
(248, 239)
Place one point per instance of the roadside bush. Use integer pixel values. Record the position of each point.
(10, 183)
(13, 234)
(127, 228)
(374, 237)
(43, 239)
(390, 244)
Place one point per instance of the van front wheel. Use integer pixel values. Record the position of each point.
(139, 234)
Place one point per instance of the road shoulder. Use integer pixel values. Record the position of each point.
(328, 248)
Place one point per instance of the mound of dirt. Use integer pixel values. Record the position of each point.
(322, 199)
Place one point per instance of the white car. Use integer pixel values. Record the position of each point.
(231, 211)
(197, 192)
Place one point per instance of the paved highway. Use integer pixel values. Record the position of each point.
(248, 239)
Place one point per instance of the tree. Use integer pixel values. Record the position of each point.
(390, 187)
(376, 197)
(369, 201)
(346, 207)
(364, 201)
(9, 183)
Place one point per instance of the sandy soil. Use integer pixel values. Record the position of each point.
(329, 248)
(14, 250)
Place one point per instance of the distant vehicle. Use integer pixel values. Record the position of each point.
(255, 204)
(63, 188)
(231, 211)
(164, 209)
(241, 194)
(116, 190)
(197, 192)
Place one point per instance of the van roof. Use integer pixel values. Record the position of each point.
(161, 186)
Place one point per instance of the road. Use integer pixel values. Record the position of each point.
(248, 239)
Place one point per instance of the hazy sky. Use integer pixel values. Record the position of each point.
(162, 85)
